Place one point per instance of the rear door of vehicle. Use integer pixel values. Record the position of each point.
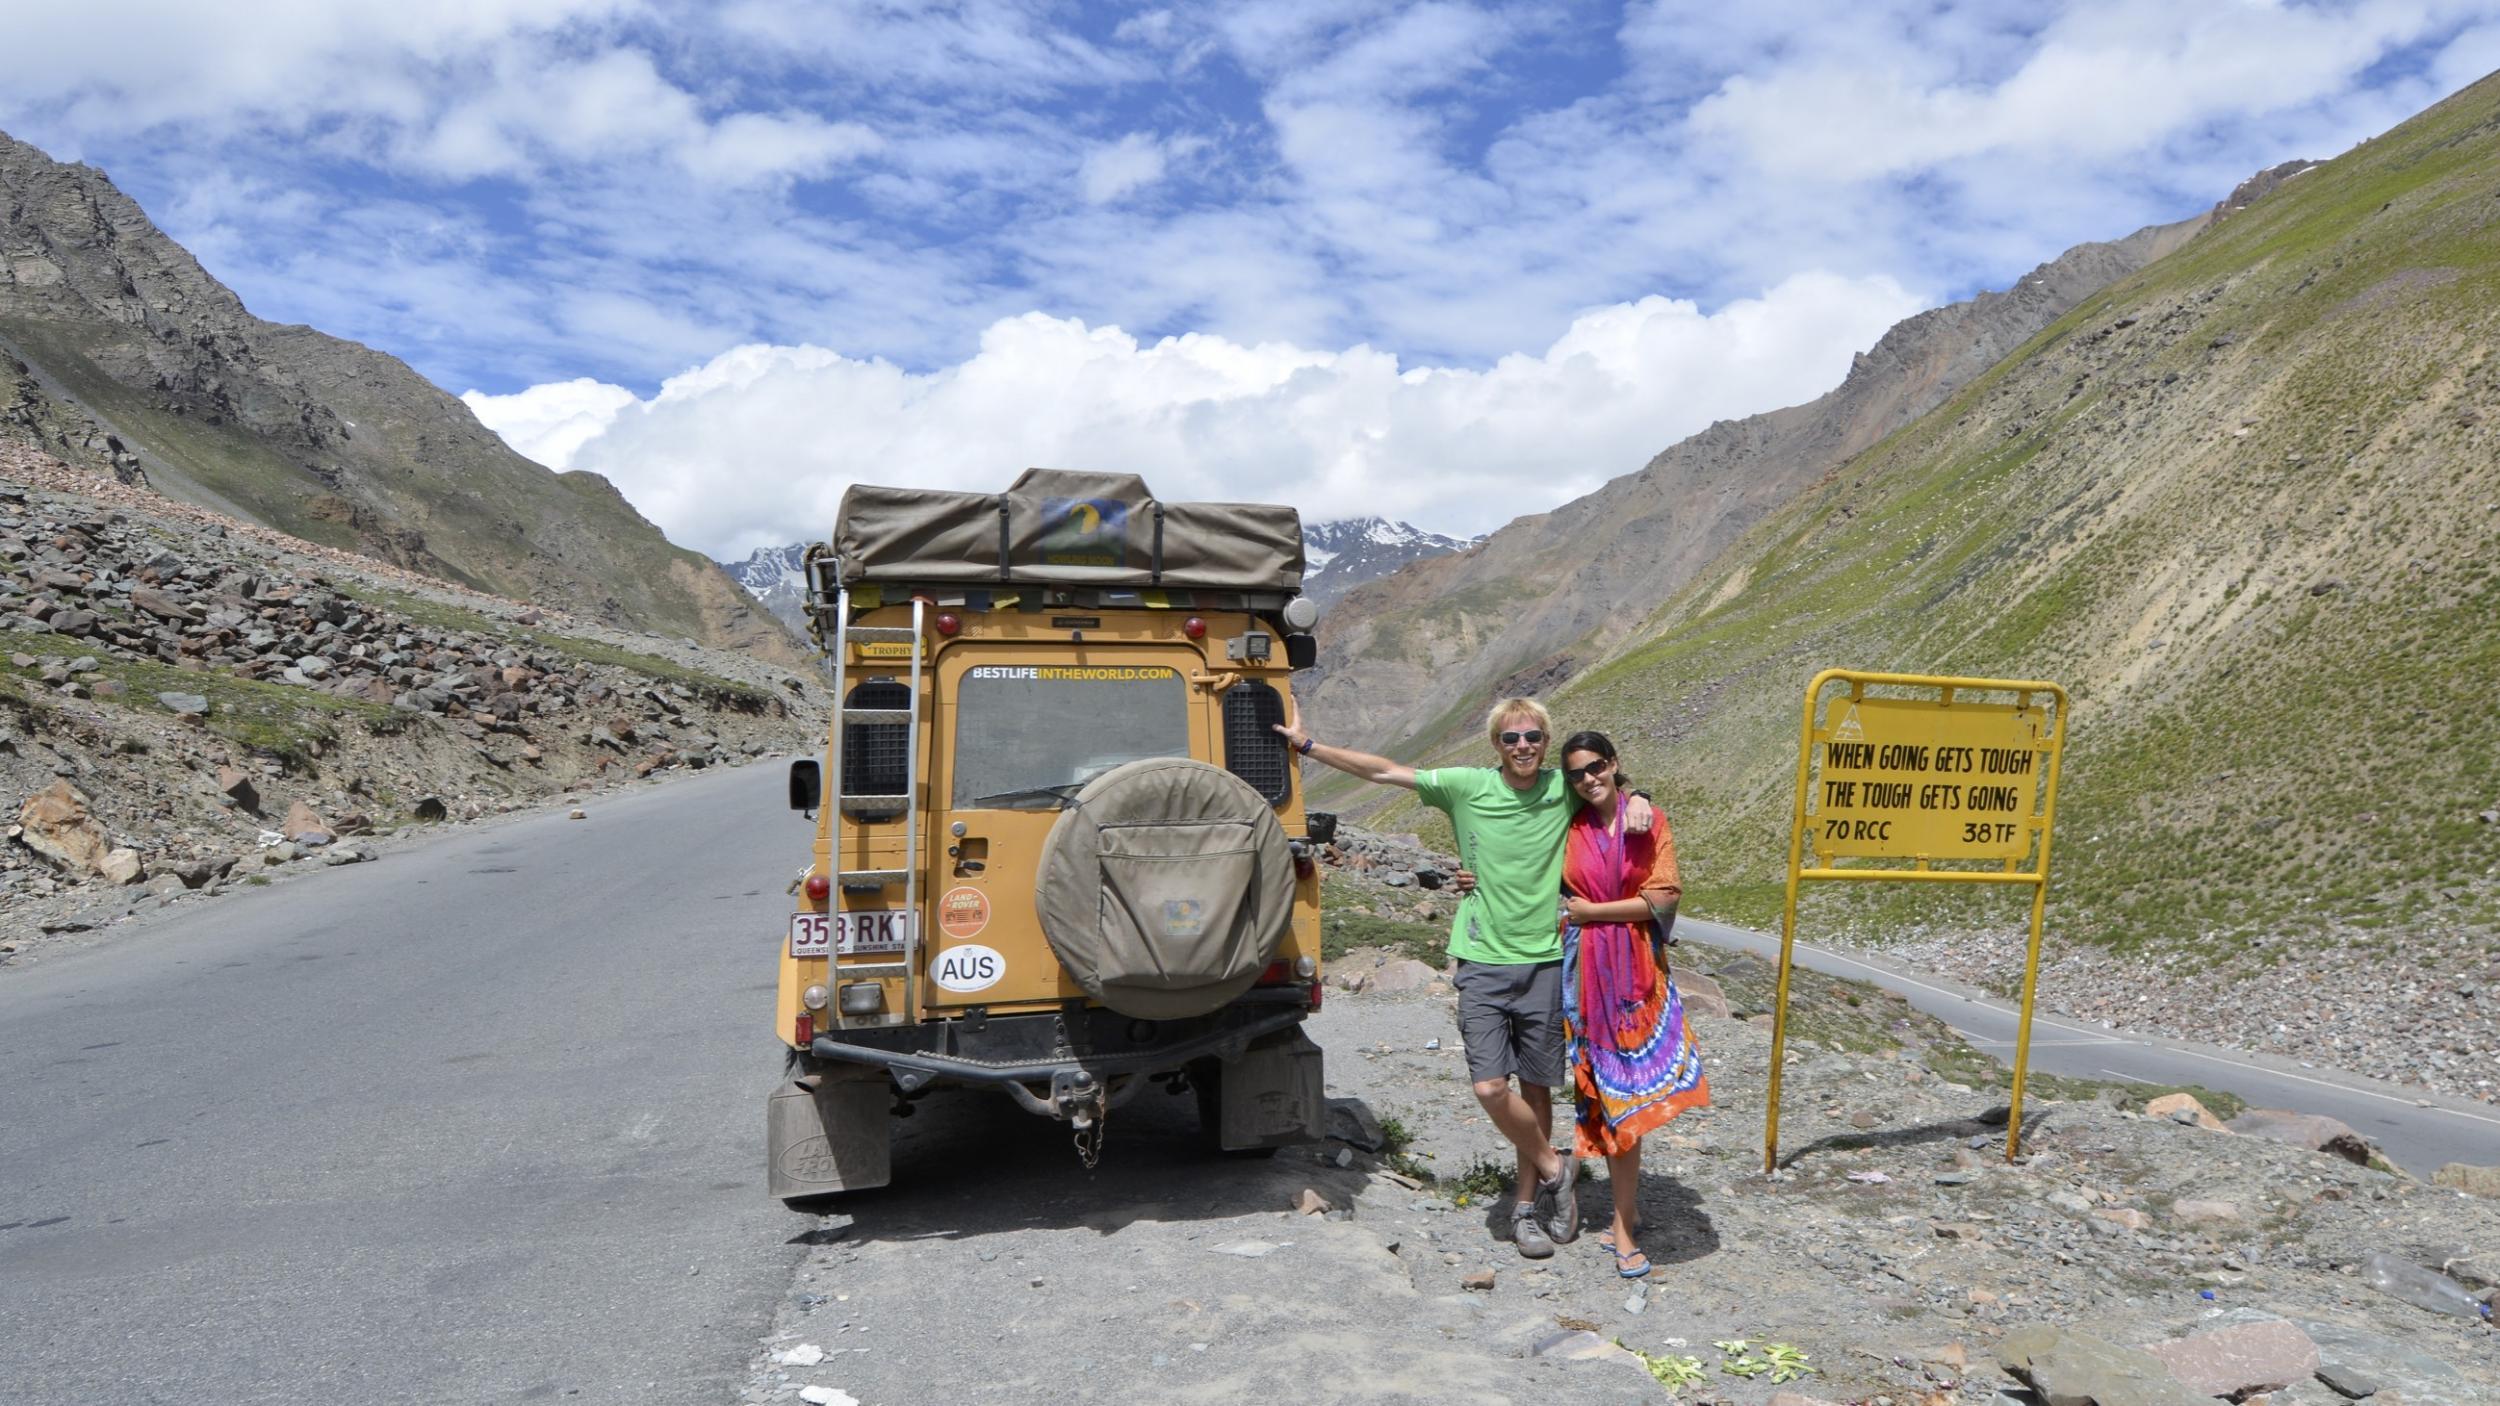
(1021, 728)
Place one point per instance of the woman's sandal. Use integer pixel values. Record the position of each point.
(1607, 1237)
(1630, 1264)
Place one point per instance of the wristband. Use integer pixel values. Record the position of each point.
(1307, 744)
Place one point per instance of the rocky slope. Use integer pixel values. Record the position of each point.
(118, 352)
(188, 701)
(1541, 599)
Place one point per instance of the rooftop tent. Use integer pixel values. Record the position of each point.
(1058, 527)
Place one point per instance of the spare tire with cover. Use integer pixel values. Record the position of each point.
(1165, 888)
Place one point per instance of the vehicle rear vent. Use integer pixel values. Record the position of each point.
(875, 756)
(1252, 749)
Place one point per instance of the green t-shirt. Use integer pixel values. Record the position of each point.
(1513, 840)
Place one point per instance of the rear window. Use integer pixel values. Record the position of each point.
(1027, 736)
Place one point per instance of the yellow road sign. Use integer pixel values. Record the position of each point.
(1932, 770)
(1924, 778)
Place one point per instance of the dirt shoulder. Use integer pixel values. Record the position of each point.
(1896, 1250)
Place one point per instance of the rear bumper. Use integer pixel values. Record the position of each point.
(1225, 1035)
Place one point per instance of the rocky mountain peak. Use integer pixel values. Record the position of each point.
(120, 354)
(1343, 553)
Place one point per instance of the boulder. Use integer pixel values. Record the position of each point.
(2172, 1105)
(189, 705)
(2076, 1369)
(2472, 1180)
(1701, 994)
(55, 823)
(236, 782)
(2242, 1359)
(1404, 974)
(163, 605)
(122, 866)
(2205, 1212)
(2314, 1131)
(306, 827)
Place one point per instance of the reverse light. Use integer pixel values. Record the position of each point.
(950, 624)
(815, 998)
(1194, 627)
(818, 886)
(1305, 967)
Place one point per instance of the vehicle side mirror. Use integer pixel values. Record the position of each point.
(1320, 826)
(1301, 651)
(807, 784)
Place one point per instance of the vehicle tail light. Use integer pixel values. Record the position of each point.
(818, 886)
(950, 624)
(805, 1030)
(1194, 627)
(1278, 973)
(1315, 998)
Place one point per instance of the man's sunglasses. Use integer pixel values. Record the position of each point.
(1577, 774)
(1513, 739)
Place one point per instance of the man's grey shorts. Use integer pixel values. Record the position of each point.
(1510, 1020)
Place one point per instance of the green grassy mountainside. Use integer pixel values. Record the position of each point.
(2242, 503)
(119, 353)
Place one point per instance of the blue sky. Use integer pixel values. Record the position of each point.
(1450, 261)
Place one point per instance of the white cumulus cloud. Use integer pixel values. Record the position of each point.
(755, 447)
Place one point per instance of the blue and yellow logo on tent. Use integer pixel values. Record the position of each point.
(1084, 532)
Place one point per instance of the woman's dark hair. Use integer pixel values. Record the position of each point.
(1599, 743)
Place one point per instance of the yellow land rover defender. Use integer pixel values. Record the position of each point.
(1060, 849)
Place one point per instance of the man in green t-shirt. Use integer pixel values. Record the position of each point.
(1509, 820)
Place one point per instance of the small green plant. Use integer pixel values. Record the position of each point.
(1787, 1363)
(1742, 1357)
(1674, 1371)
(1483, 1180)
(1397, 1148)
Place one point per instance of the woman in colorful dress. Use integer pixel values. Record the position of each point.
(1632, 1054)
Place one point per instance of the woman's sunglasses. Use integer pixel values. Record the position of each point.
(1532, 735)
(1577, 774)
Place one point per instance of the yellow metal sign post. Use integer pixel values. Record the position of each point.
(1935, 771)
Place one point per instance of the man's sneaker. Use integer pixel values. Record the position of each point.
(1531, 1238)
(1558, 1203)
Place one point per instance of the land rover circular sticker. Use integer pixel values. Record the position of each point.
(971, 967)
(963, 912)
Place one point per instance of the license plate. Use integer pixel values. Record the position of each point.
(855, 934)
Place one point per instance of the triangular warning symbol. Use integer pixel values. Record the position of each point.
(1848, 730)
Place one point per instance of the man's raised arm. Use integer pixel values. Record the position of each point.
(1378, 770)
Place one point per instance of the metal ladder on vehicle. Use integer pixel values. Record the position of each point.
(845, 634)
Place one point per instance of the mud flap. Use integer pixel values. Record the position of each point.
(829, 1131)
(1275, 1095)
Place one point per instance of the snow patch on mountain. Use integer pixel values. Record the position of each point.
(1340, 555)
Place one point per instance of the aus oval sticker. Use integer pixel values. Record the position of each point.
(970, 967)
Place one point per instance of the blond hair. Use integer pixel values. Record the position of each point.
(1510, 708)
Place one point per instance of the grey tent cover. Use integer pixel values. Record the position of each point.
(1166, 888)
(1058, 527)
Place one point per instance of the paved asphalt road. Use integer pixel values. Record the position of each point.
(478, 1122)
(2420, 1131)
